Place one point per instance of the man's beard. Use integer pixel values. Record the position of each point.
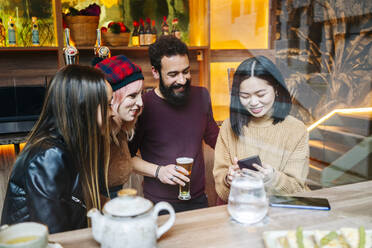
(175, 99)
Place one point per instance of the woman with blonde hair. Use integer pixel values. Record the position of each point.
(126, 80)
(55, 179)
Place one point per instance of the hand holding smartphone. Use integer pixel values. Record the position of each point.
(247, 163)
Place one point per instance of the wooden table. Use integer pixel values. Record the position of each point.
(212, 227)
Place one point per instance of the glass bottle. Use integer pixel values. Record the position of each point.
(135, 36)
(164, 27)
(35, 32)
(71, 54)
(141, 33)
(175, 29)
(98, 41)
(148, 34)
(2, 34)
(154, 32)
(99, 50)
(12, 40)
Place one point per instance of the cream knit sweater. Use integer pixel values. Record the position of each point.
(283, 146)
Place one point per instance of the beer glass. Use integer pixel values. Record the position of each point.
(184, 191)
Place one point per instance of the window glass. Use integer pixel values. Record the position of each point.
(323, 49)
(17, 16)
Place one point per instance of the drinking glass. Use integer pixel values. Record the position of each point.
(247, 200)
(184, 191)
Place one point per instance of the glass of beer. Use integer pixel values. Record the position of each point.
(186, 163)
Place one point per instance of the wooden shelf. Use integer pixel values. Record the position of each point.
(22, 49)
(144, 48)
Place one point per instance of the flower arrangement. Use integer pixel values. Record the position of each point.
(116, 28)
(116, 34)
(83, 24)
(91, 10)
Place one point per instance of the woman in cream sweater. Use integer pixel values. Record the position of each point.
(260, 124)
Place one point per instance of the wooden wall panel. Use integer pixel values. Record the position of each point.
(27, 68)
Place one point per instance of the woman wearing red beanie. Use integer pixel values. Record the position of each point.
(126, 80)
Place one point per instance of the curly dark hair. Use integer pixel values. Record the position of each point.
(166, 45)
(266, 70)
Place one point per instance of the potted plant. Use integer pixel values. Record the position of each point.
(83, 24)
(116, 34)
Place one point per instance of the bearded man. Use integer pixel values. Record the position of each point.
(176, 119)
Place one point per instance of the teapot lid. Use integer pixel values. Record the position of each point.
(127, 204)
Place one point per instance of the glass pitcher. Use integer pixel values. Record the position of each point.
(247, 200)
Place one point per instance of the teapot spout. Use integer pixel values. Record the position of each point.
(97, 223)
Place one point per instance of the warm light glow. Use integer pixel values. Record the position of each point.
(239, 24)
(72, 43)
(315, 168)
(198, 31)
(54, 22)
(109, 3)
(329, 115)
(5, 149)
(7, 155)
(219, 90)
(21, 146)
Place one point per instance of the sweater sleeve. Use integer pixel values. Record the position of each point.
(222, 161)
(292, 178)
(120, 166)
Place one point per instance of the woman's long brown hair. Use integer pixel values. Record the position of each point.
(71, 108)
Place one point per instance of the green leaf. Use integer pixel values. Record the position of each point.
(115, 28)
(362, 237)
(300, 237)
(328, 238)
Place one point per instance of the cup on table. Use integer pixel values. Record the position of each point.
(184, 191)
(24, 235)
(247, 200)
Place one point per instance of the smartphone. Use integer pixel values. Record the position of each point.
(299, 202)
(248, 162)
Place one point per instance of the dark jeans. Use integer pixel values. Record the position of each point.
(196, 203)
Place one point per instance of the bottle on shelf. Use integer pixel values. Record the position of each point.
(135, 35)
(12, 39)
(2, 34)
(175, 29)
(164, 27)
(98, 41)
(35, 32)
(148, 34)
(71, 54)
(141, 33)
(99, 50)
(154, 32)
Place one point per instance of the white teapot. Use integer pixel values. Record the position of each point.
(129, 221)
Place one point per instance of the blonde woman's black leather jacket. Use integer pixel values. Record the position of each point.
(44, 187)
